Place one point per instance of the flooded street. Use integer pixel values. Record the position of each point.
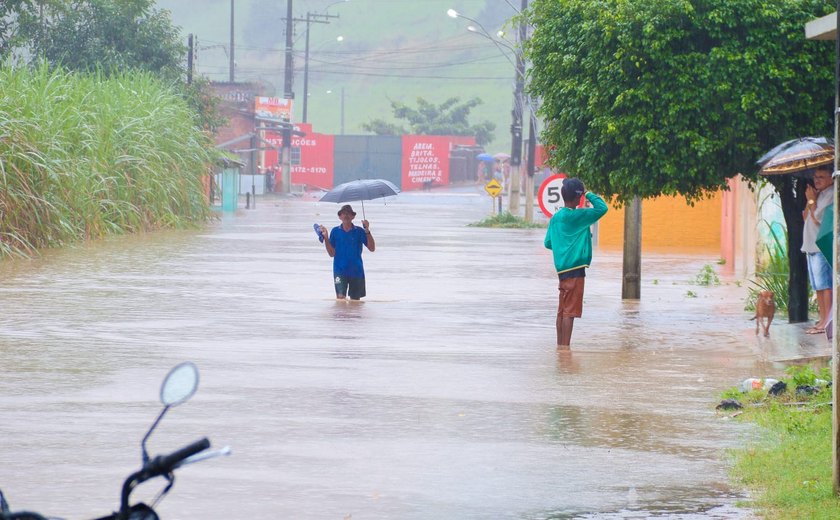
(441, 396)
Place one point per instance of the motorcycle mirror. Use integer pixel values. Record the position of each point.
(180, 384)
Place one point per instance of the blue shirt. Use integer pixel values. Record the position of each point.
(348, 251)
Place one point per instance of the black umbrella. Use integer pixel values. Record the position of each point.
(797, 156)
(362, 190)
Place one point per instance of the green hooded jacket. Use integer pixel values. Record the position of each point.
(568, 235)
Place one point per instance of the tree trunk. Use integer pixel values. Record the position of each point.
(792, 193)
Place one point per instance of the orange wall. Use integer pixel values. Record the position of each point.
(668, 222)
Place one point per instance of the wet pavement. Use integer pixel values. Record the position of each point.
(440, 396)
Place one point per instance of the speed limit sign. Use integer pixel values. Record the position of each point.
(550, 198)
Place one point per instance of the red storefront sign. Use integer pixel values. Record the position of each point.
(312, 157)
(425, 159)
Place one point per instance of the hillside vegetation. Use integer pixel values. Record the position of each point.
(391, 50)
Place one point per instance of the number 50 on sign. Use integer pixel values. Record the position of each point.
(550, 198)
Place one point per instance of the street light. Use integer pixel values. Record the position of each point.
(339, 39)
(313, 17)
(516, 113)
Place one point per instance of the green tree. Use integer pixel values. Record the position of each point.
(106, 35)
(673, 97)
(204, 102)
(14, 15)
(449, 118)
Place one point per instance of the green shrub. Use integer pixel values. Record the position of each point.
(506, 220)
(775, 275)
(707, 276)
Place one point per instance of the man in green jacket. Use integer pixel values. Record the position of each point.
(569, 238)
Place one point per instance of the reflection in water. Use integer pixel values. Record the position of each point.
(566, 362)
(629, 325)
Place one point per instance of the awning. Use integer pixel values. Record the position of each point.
(824, 28)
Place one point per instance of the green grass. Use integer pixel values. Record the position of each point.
(788, 470)
(507, 220)
(84, 156)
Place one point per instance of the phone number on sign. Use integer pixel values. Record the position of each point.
(309, 169)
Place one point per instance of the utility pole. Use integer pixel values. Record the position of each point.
(190, 52)
(232, 62)
(530, 165)
(516, 125)
(310, 18)
(288, 93)
(532, 141)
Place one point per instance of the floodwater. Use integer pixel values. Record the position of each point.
(441, 396)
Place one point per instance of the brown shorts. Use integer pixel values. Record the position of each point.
(571, 297)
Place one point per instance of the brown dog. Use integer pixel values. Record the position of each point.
(765, 309)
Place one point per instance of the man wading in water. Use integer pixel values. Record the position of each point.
(345, 247)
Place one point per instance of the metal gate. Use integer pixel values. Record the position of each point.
(367, 157)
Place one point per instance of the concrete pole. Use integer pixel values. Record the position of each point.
(529, 180)
(516, 125)
(232, 62)
(288, 93)
(632, 266)
(306, 69)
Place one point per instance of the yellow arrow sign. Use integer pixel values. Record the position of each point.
(493, 188)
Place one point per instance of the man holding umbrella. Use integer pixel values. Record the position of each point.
(818, 196)
(345, 247)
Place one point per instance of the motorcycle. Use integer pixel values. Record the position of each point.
(179, 385)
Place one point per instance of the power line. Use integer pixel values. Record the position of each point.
(276, 71)
(409, 65)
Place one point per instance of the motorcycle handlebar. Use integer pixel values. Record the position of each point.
(160, 465)
(163, 464)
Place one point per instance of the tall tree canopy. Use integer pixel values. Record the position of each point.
(650, 97)
(107, 35)
(449, 118)
(15, 14)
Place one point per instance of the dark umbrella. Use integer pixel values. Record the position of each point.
(797, 156)
(825, 235)
(362, 190)
(486, 157)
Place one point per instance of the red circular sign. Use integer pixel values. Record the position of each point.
(549, 195)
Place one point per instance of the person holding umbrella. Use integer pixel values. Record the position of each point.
(818, 197)
(345, 248)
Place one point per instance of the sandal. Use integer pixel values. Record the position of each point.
(815, 330)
